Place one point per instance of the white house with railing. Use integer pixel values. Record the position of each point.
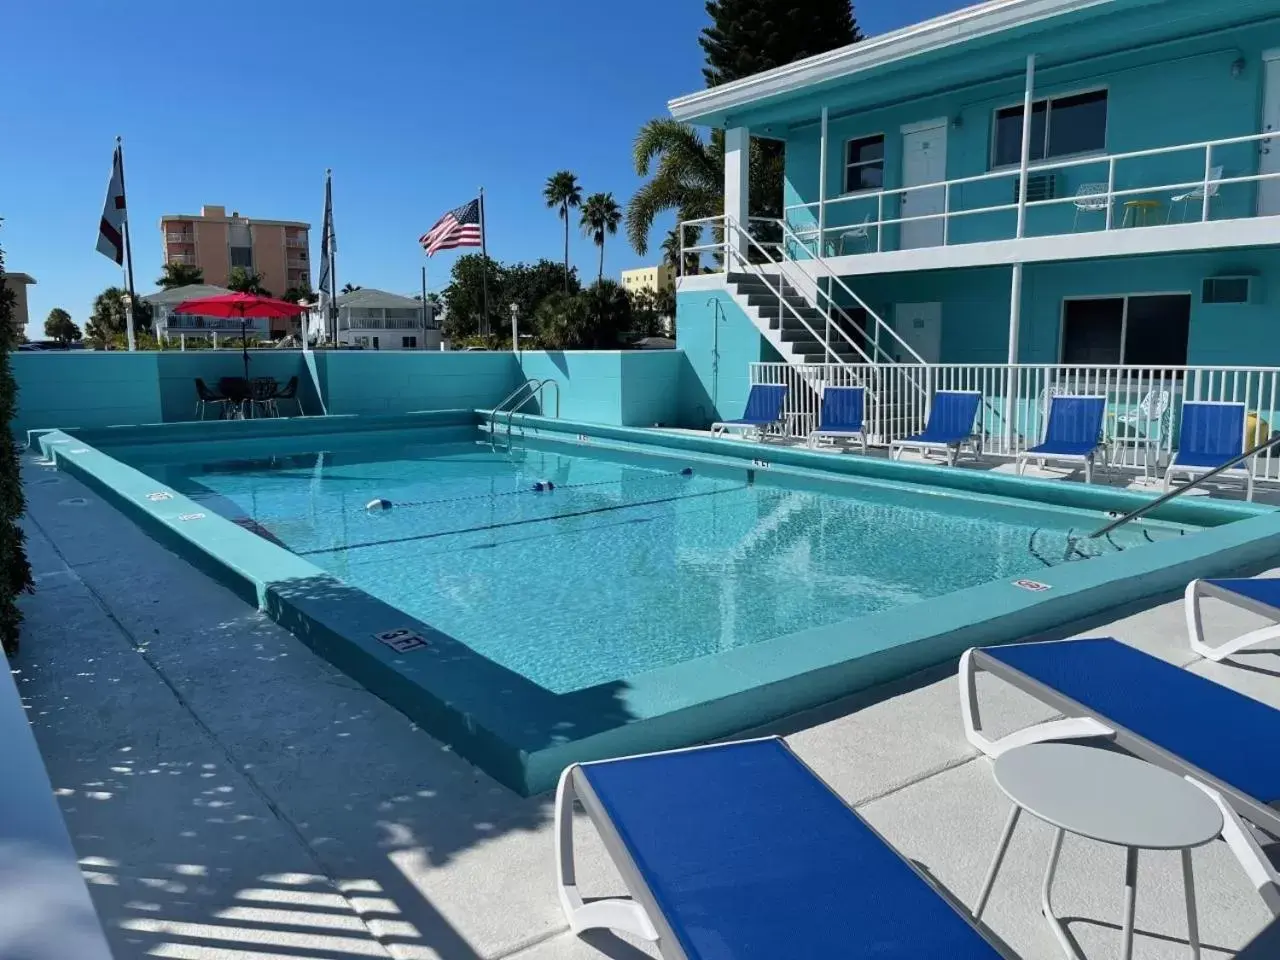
(1028, 196)
(378, 320)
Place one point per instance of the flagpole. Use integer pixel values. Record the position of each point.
(484, 266)
(333, 263)
(128, 256)
(424, 306)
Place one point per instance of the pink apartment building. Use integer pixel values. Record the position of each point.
(216, 242)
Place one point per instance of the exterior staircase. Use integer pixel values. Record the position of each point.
(782, 324)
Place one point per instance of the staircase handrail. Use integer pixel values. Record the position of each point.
(787, 232)
(732, 224)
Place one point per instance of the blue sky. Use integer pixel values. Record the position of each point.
(413, 104)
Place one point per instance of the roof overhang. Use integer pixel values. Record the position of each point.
(932, 36)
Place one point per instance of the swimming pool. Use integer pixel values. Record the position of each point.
(572, 569)
(658, 590)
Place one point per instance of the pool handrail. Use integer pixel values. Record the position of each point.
(535, 387)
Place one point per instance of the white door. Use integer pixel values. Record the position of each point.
(1269, 150)
(920, 325)
(924, 160)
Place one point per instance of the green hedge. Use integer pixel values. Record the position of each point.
(15, 570)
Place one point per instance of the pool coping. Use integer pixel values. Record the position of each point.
(521, 733)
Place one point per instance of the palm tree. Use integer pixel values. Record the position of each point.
(179, 275)
(563, 191)
(600, 216)
(350, 288)
(688, 178)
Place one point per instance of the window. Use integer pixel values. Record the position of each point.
(242, 257)
(864, 164)
(1060, 126)
(1141, 331)
(409, 343)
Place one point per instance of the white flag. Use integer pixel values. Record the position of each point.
(111, 229)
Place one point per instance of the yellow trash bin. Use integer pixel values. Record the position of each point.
(1256, 431)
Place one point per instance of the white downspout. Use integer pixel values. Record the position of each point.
(1015, 286)
(1015, 295)
(822, 210)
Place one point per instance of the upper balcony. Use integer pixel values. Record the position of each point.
(1207, 194)
(180, 236)
(298, 242)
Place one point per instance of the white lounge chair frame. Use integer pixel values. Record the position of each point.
(1199, 589)
(1078, 724)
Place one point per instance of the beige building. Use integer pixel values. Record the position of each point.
(18, 282)
(216, 242)
(657, 279)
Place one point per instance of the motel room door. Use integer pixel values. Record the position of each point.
(920, 325)
(1269, 149)
(924, 160)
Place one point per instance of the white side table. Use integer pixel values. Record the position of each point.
(1109, 797)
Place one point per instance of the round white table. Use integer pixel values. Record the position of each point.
(1109, 797)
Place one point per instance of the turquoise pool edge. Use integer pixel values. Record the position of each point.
(522, 734)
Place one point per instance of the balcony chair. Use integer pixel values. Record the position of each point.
(1090, 198)
(860, 232)
(1197, 194)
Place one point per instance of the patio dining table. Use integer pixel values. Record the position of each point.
(245, 393)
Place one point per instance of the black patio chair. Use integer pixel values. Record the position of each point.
(209, 398)
(290, 392)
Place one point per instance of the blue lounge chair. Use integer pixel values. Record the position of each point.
(1260, 595)
(764, 410)
(1212, 433)
(949, 428)
(843, 416)
(740, 851)
(1073, 434)
(1220, 740)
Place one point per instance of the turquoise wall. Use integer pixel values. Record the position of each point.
(92, 389)
(719, 343)
(85, 389)
(393, 381)
(1179, 93)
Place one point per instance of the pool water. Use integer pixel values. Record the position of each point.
(627, 564)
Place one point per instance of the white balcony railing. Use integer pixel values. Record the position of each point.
(1143, 403)
(296, 263)
(180, 238)
(1191, 182)
(362, 324)
(297, 242)
(187, 258)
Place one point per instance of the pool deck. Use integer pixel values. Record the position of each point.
(232, 796)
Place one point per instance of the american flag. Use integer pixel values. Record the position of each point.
(457, 228)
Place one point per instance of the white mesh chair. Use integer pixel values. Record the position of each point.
(1090, 198)
(859, 233)
(1215, 174)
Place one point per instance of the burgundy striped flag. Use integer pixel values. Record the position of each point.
(111, 227)
(457, 228)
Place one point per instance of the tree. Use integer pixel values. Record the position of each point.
(464, 296)
(687, 178)
(58, 326)
(748, 36)
(350, 288)
(562, 190)
(527, 285)
(563, 321)
(179, 275)
(108, 318)
(610, 312)
(243, 280)
(301, 292)
(15, 570)
(600, 216)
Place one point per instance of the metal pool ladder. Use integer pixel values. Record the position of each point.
(531, 389)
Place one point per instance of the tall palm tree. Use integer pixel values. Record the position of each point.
(687, 177)
(563, 191)
(179, 275)
(600, 215)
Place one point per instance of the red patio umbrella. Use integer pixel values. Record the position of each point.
(246, 306)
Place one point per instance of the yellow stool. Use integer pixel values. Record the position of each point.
(1256, 431)
(1139, 210)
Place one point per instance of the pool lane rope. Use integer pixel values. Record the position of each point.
(379, 504)
(524, 522)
